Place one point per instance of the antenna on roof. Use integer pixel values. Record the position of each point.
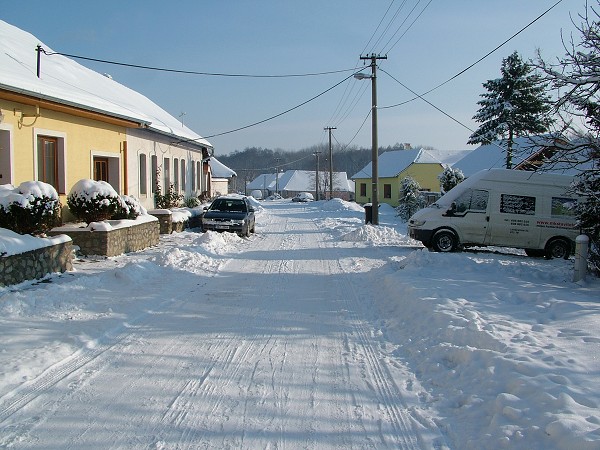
(181, 115)
(39, 51)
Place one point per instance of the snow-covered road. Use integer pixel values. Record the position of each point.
(267, 345)
(317, 332)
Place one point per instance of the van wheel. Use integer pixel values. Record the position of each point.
(444, 241)
(558, 248)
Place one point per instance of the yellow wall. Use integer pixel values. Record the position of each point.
(425, 174)
(83, 136)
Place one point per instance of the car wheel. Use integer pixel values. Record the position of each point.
(444, 241)
(558, 248)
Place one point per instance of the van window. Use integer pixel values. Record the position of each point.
(472, 200)
(517, 204)
(563, 206)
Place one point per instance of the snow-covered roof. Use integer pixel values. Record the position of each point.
(390, 164)
(67, 82)
(493, 156)
(220, 170)
(298, 181)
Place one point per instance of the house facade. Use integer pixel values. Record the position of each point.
(422, 165)
(61, 122)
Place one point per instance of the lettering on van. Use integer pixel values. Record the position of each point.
(555, 224)
(518, 226)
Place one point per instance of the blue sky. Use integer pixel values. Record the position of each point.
(267, 37)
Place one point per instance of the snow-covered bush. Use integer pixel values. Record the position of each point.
(588, 213)
(191, 202)
(93, 201)
(449, 178)
(410, 198)
(32, 208)
(129, 208)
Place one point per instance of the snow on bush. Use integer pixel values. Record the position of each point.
(95, 201)
(32, 208)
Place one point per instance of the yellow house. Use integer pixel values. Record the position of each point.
(422, 165)
(61, 122)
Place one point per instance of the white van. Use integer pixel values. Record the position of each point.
(505, 208)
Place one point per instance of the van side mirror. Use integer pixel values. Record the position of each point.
(451, 211)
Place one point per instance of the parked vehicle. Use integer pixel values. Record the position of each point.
(303, 197)
(230, 213)
(505, 208)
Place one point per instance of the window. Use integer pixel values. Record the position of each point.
(199, 174)
(143, 175)
(50, 157)
(387, 191)
(167, 173)
(193, 177)
(563, 206)
(48, 160)
(176, 173)
(472, 200)
(183, 175)
(517, 204)
(363, 189)
(154, 173)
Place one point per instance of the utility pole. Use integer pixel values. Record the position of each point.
(317, 176)
(330, 162)
(375, 146)
(276, 175)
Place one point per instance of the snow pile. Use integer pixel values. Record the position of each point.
(504, 363)
(337, 205)
(380, 235)
(216, 243)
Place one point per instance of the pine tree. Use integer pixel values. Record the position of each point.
(449, 178)
(513, 106)
(410, 200)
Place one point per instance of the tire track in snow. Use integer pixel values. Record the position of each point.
(379, 376)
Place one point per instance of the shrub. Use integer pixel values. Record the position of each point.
(93, 201)
(32, 208)
(191, 202)
(129, 208)
(169, 200)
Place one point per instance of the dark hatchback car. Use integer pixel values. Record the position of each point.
(230, 213)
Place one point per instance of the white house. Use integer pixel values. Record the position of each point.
(292, 182)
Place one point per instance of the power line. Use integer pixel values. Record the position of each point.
(272, 117)
(191, 72)
(479, 60)
(408, 29)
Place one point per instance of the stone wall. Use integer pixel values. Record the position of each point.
(36, 264)
(116, 241)
(164, 219)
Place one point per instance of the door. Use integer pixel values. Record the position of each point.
(469, 216)
(101, 169)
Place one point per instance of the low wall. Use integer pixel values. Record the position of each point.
(113, 242)
(36, 264)
(168, 226)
